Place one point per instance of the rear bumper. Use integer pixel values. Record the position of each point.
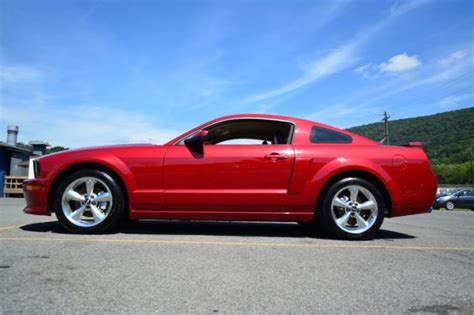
(36, 197)
(417, 199)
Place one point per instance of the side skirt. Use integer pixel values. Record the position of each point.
(223, 216)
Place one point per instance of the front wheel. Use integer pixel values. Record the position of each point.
(89, 202)
(450, 206)
(352, 208)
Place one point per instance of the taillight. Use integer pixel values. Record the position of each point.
(415, 144)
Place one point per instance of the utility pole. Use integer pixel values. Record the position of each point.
(385, 119)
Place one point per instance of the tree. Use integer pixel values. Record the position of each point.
(24, 146)
(55, 149)
(448, 140)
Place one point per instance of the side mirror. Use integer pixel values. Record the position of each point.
(198, 139)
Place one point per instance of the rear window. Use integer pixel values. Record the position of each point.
(323, 135)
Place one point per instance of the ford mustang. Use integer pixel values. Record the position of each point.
(249, 167)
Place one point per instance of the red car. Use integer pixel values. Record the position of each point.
(242, 167)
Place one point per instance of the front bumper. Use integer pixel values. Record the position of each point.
(36, 197)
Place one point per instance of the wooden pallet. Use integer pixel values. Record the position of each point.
(13, 185)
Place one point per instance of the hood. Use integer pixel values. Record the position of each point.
(99, 148)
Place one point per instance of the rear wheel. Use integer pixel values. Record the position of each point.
(89, 202)
(352, 208)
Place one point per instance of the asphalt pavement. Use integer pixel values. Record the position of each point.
(417, 264)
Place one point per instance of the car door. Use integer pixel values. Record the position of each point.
(241, 178)
(466, 199)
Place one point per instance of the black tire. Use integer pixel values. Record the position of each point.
(116, 214)
(324, 218)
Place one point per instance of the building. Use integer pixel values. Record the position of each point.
(13, 159)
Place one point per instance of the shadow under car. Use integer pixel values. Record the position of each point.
(211, 228)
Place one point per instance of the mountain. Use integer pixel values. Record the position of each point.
(448, 140)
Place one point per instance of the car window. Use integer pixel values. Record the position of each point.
(243, 141)
(323, 135)
(250, 131)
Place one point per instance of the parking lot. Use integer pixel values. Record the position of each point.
(418, 264)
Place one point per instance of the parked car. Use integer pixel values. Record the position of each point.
(461, 199)
(447, 192)
(240, 167)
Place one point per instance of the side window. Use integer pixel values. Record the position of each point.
(323, 135)
(243, 141)
(250, 131)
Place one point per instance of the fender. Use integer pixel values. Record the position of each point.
(105, 159)
(343, 164)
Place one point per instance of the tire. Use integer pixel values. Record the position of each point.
(340, 214)
(89, 202)
(450, 206)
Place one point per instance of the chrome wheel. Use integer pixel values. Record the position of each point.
(354, 209)
(86, 202)
(450, 205)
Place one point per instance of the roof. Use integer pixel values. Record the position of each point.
(16, 149)
(267, 116)
(302, 124)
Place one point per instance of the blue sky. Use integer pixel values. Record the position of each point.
(80, 73)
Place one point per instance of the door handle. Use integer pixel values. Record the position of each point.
(275, 156)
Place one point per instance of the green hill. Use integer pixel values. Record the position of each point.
(448, 140)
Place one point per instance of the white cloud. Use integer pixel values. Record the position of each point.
(339, 59)
(320, 68)
(400, 8)
(365, 104)
(430, 77)
(14, 74)
(395, 65)
(455, 100)
(364, 68)
(84, 125)
(369, 70)
(452, 58)
(400, 63)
